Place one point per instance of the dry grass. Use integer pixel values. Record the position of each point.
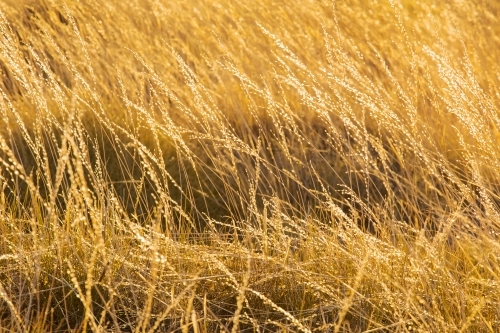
(250, 166)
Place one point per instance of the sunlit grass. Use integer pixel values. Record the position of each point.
(249, 166)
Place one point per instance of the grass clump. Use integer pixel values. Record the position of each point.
(242, 166)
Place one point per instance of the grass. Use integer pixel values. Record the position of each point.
(249, 166)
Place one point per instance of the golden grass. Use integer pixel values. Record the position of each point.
(250, 166)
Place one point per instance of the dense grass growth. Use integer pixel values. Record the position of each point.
(250, 166)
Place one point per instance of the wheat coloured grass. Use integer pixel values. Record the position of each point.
(249, 166)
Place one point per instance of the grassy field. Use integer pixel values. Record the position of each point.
(249, 166)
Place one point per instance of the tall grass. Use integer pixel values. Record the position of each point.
(250, 166)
